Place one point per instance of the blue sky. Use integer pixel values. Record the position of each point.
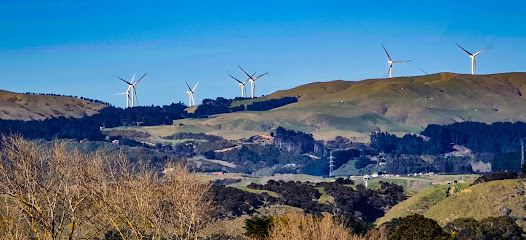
(79, 47)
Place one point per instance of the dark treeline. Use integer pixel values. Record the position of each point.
(409, 144)
(109, 117)
(363, 204)
(223, 105)
(419, 227)
(343, 156)
(219, 105)
(500, 137)
(480, 137)
(271, 104)
(81, 98)
(195, 136)
(89, 127)
(497, 176)
(292, 141)
(234, 202)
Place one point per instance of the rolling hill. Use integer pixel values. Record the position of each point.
(478, 201)
(398, 105)
(18, 106)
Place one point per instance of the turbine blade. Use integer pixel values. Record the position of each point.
(464, 49)
(140, 79)
(135, 95)
(245, 72)
(235, 78)
(132, 78)
(188, 87)
(260, 76)
(423, 71)
(402, 61)
(389, 57)
(479, 52)
(194, 88)
(124, 81)
(387, 74)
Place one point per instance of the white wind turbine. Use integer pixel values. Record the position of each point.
(242, 84)
(252, 80)
(127, 93)
(472, 56)
(391, 61)
(191, 94)
(131, 88)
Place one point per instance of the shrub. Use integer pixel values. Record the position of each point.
(298, 226)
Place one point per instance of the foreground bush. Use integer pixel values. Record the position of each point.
(298, 226)
(502, 228)
(418, 227)
(51, 192)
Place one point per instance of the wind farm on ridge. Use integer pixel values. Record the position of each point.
(131, 93)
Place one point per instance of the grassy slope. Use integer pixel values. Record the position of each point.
(17, 106)
(482, 200)
(419, 203)
(397, 105)
(478, 201)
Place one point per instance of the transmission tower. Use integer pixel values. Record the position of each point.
(522, 152)
(331, 165)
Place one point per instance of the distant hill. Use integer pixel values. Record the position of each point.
(18, 106)
(478, 201)
(397, 105)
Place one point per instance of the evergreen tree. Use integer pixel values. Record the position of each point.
(258, 227)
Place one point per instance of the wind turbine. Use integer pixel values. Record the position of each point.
(472, 56)
(191, 93)
(127, 93)
(131, 86)
(242, 84)
(391, 61)
(252, 80)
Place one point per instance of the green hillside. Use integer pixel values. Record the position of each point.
(398, 105)
(478, 201)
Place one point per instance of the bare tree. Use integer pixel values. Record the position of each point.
(50, 192)
(298, 226)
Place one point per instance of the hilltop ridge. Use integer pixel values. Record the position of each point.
(19, 106)
(398, 105)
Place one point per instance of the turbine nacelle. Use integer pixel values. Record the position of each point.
(131, 90)
(252, 80)
(190, 93)
(472, 56)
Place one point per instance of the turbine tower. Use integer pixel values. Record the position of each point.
(252, 80)
(191, 94)
(472, 56)
(131, 89)
(242, 84)
(390, 61)
(127, 93)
